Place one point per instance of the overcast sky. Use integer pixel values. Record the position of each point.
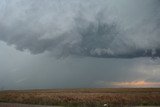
(79, 43)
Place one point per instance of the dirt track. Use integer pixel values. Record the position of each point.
(25, 105)
(21, 105)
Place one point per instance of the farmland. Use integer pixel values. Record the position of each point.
(84, 97)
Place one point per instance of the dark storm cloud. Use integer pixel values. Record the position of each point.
(21, 70)
(105, 28)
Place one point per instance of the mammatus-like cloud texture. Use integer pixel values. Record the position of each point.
(103, 28)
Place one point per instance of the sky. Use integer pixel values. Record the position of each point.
(79, 44)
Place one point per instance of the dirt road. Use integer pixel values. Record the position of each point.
(22, 105)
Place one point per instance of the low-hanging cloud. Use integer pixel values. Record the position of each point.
(104, 28)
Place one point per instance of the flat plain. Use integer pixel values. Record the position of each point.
(97, 97)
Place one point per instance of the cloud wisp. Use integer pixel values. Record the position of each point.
(106, 29)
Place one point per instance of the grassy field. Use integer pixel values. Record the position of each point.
(85, 97)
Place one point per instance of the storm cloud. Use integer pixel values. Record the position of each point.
(104, 28)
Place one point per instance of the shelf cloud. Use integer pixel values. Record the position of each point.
(104, 28)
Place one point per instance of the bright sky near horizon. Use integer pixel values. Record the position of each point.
(79, 43)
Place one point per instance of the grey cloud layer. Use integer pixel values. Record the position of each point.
(104, 28)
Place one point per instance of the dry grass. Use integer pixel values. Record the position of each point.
(84, 97)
